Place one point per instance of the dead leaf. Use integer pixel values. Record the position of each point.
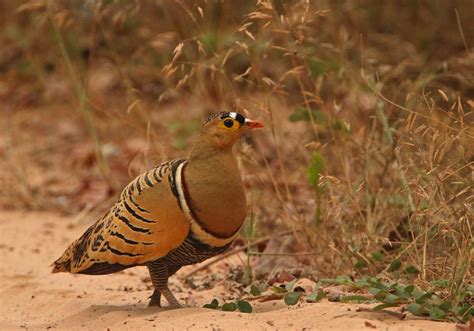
(370, 325)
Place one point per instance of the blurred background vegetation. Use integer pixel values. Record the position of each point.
(367, 156)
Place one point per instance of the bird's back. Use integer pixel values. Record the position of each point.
(145, 224)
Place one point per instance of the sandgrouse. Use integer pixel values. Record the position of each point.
(179, 213)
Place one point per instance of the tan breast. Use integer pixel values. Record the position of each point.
(216, 195)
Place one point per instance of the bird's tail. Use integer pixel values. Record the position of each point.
(73, 255)
(63, 264)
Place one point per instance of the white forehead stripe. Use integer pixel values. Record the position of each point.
(233, 115)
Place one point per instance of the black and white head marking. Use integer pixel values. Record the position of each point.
(236, 116)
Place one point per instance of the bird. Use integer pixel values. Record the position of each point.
(178, 213)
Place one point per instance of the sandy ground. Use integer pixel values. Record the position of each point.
(32, 298)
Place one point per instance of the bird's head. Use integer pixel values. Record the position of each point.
(222, 130)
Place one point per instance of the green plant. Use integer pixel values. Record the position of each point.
(241, 305)
(433, 303)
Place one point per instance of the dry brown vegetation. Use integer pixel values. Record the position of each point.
(368, 152)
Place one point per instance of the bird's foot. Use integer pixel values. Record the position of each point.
(175, 306)
(154, 303)
(155, 299)
(173, 302)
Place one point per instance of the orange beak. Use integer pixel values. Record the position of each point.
(253, 124)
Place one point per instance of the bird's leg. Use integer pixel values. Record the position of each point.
(159, 278)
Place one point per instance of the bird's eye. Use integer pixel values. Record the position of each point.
(229, 123)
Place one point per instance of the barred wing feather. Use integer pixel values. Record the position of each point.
(145, 224)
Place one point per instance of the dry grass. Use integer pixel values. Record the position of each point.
(375, 102)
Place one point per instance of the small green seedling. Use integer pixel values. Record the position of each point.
(241, 305)
(292, 298)
(433, 303)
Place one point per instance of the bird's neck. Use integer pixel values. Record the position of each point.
(215, 189)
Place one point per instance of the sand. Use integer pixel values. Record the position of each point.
(34, 299)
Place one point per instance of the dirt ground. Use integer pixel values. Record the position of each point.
(32, 298)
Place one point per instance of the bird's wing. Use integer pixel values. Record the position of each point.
(144, 224)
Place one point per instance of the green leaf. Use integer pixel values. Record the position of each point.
(213, 305)
(416, 309)
(381, 295)
(319, 67)
(362, 283)
(328, 281)
(354, 298)
(341, 280)
(315, 296)
(392, 298)
(305, 114)
(409, 289)
(377, 256)
(385, 123)
(231, 306)
(411, 270)
(381, 285)
(254, 290)
(378, 284)
(374, 290)
(289, 286)
(445, 305)
(291, 298)
(464, 312)
(315, 169)
(437, 313)
(359, 264)
(278, 289)
(395, 265)
(394, 286)
(210, 41)
(435, 300)
(422, 299)
(385, 305)
(457, 310)
(244, 306)
(443, 283)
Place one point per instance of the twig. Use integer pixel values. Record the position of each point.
(232, 252)
(400, 316)
(273, 296)
(266, 297)
(285, 254)
(460, 29)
